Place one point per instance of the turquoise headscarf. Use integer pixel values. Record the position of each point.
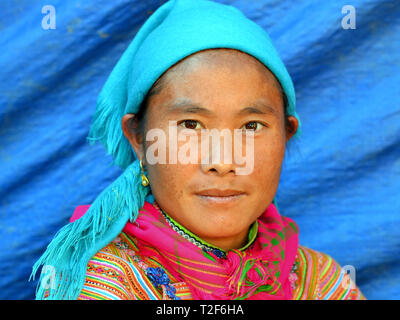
(176, 30)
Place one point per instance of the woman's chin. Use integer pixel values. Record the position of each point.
(217, 223)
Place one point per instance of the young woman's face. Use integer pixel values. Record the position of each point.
(217, 89)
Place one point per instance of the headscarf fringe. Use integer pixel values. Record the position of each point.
(106, 128)
(76, 243)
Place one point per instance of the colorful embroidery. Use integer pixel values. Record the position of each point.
(189, 237)
(157, 275)
(313, 276)
(293, 276)
(119, 271)
(159, 278)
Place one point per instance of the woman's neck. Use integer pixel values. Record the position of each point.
(234, 242)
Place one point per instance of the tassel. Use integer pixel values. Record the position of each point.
(76, 243)
(106, 128)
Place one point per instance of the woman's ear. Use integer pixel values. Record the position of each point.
(292, 128)
(128, 125)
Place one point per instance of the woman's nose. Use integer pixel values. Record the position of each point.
(218, 158)
(220, 168)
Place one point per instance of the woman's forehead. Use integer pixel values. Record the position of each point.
(202, 77)
(193, 83)
(219, 57)
(207, 62)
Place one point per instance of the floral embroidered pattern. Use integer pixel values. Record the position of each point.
(293, 274)
(157, 276)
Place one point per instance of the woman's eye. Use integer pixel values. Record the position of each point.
(190, 124)
(253, 125)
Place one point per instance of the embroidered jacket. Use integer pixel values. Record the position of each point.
(118, 271)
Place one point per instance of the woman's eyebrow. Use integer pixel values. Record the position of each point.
(258, 108)
(187, 106)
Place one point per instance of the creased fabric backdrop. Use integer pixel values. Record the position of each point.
(340, 181)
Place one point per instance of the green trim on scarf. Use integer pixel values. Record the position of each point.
(250, 238)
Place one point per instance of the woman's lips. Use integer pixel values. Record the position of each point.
(218, 196)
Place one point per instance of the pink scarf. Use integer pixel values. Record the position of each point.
(259, 272)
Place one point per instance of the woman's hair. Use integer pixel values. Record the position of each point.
(140, 117)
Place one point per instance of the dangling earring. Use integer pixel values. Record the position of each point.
(145, 181)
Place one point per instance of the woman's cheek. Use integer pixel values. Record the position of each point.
(268, 162)
(175, 177)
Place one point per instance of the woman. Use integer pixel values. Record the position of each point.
(179, 226)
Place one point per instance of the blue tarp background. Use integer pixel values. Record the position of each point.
(340, 181)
